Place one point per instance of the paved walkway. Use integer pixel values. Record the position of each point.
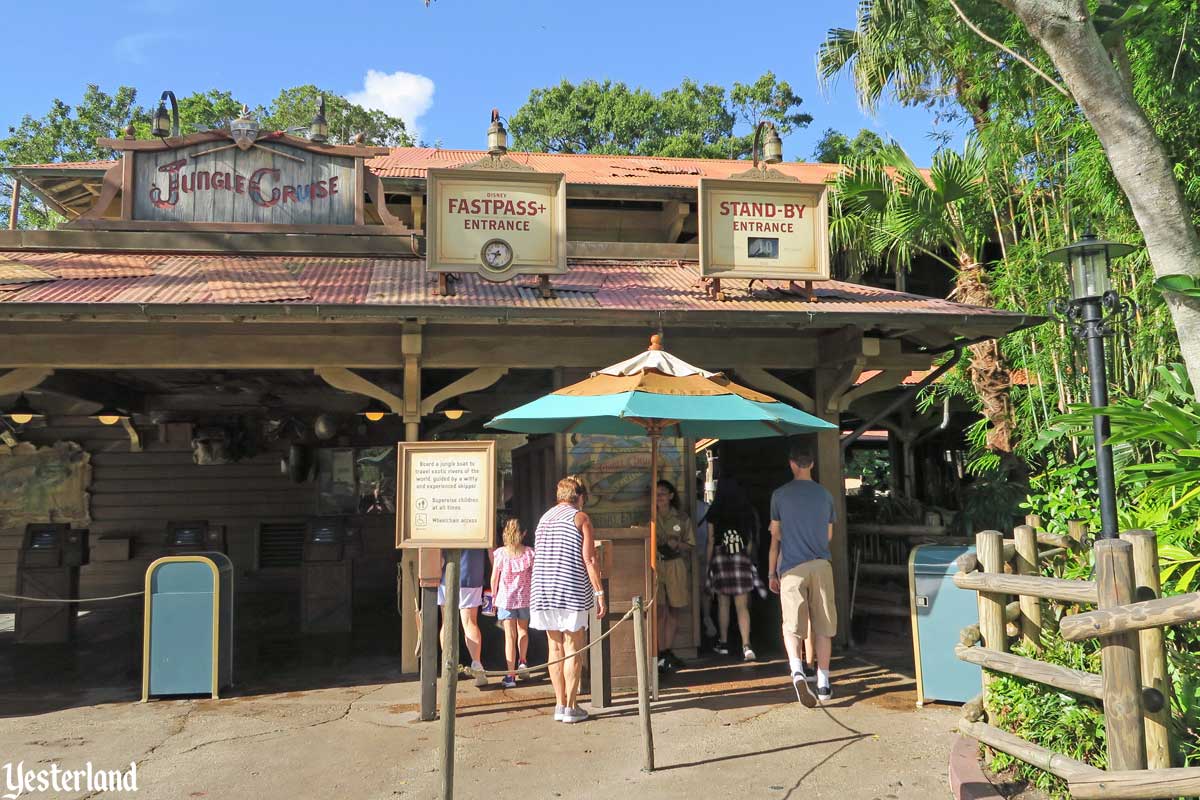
(719, 731)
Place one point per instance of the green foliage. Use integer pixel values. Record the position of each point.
(64, 133)
(1058, 721)
(294, 108)
(690, 120)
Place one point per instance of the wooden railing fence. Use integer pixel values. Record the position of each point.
(1133, 685)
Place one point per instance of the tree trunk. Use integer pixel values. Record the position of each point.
(989, 372)
(1137, 156)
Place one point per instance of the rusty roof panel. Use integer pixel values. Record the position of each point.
(333, 280)
(413, 162)
(17, 272)
(87, 290)
(81, 266)
(250, 279)
(177, 280)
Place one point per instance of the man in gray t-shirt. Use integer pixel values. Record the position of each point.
(801, 573)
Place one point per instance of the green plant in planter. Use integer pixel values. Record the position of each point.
(1058, 721)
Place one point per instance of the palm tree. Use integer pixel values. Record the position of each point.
(887, 210)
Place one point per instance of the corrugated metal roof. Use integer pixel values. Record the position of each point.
(649, 285)
(413, 162)
(587, 168)
(16, 272)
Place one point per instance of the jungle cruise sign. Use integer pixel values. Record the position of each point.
(496, 221)
(270, 183)
(767, 226)
(244, 178)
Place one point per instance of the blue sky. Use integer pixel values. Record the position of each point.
(443, 67)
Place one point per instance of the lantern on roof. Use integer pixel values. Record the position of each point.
(318, 129)
(497, 135)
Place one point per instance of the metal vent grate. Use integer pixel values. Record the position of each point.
(280, 544)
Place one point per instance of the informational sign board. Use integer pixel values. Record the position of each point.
(270, 183)
(496, 223)
(445, 494)
(768, 229)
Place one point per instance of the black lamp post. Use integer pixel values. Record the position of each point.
(1091, 311)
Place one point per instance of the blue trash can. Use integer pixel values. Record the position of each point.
(188, 636)
(940, 610)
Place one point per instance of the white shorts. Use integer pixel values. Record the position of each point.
(470, 597)
(558, 619)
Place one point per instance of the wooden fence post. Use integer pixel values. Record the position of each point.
(989, 547)
(1119, 661)
(1033, 520)
(643, 679)
(1152, 650)
(1028, 564)
(1077, 531)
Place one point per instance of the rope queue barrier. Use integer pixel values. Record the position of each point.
(71, 599)
(539, 668)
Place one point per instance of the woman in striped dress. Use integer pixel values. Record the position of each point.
(566, 581)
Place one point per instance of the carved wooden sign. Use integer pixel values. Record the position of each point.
(764, 227)
(271, 183)
(497, 222)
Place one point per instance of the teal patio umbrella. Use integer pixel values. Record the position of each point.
(657, 394)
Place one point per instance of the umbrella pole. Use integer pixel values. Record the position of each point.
(654, 436)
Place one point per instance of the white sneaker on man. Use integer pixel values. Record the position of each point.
(559, 711)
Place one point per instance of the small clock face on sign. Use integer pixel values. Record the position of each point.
(496, 255)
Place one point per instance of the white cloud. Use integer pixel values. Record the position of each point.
(399, 94)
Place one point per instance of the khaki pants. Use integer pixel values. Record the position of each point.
(806, 593)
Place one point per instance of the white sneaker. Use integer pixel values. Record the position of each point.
(748, 654)
(559, 712)
(576, 714)
(480, 679)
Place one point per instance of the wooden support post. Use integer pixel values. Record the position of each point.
(1152, 650)
(450, 672)
(411, 621)
(1027, 564)
(1034, 521)
(1119, 661)
(830, 474)
(429, 653)
(643, 679)
(600, 657)
(14, 211)
(1078, 531)
(989, 546)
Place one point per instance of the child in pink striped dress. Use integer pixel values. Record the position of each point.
(512, 576)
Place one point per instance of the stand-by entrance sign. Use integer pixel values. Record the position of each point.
(497, 223)
(446, 494)
(763, 228)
